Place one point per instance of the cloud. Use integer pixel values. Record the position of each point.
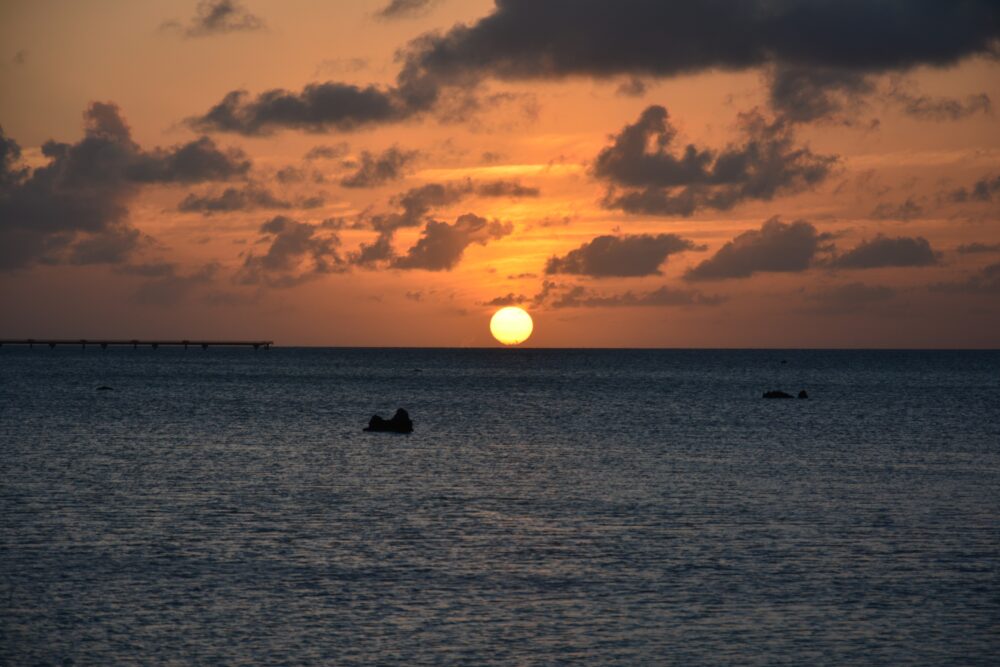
(883, 251)
(925, 107)
(806, 93)
(505, 189)
(325, 152)
(376, 170)
(441, 245)
(537, 40)
(416, 205)
(982, 191)
(74, 208)
(369, 254)
(850, 297)
(580, 297)
(659, 181)
(985, 281)
(320, 107)
(631, 87)
(976, 247)
(403, 9)
(215, 17)
(905, 211)
(509, 299)
(776, 247)
(530, 39)
(247, 198)
(298, 252)
(620, 256)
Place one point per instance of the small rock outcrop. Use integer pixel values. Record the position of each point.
(774, 393)
(400, 423)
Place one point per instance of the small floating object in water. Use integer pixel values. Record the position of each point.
(104, 387)
(803, 394)
(400, 423)
(774, 393)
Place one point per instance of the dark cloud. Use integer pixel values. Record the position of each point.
(323, 152)
(850, 297)
(370, 254)
(315, 201)
(402, 9)
(805, 93)
(169, 286)
(632, 87)
(905, 211)
(375, 170)
(531, 39)
(580, 297)
(247, 198)
(297, 252)
(10, 156)
(536, 39)
(925, 107)
(416, 204)
(505, 189)
(985, 281)
(620, 256)
(659, 181)
(509, 299)
(319, 107)
(776, 247)
(883, 251)
(441, 245)
(215, 17)
(976, 247)
(75, 208)
(194, 162)
(981, 191)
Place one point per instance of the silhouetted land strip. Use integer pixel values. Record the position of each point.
(103, 343)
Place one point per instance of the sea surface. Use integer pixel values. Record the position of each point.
(551, 507)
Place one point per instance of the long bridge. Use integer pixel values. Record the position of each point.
(103, 343)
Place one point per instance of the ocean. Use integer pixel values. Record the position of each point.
(600, 507)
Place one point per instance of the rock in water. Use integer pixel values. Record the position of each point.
(104, 387)
(803, 394)
(774, 393)
(400, 423)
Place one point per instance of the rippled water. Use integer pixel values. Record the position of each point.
(597, 507)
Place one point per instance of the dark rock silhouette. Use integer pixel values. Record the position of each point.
(774, 393)
(400, 423)
(104, 387)
(803, 394)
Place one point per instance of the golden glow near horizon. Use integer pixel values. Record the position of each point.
(511, 325)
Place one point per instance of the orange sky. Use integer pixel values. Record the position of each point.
(129, 230)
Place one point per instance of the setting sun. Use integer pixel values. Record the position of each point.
(511, 325)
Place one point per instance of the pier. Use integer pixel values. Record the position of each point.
(104, 343)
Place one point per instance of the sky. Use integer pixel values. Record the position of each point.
(636, 173)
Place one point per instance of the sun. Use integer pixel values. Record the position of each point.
(511, 325)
